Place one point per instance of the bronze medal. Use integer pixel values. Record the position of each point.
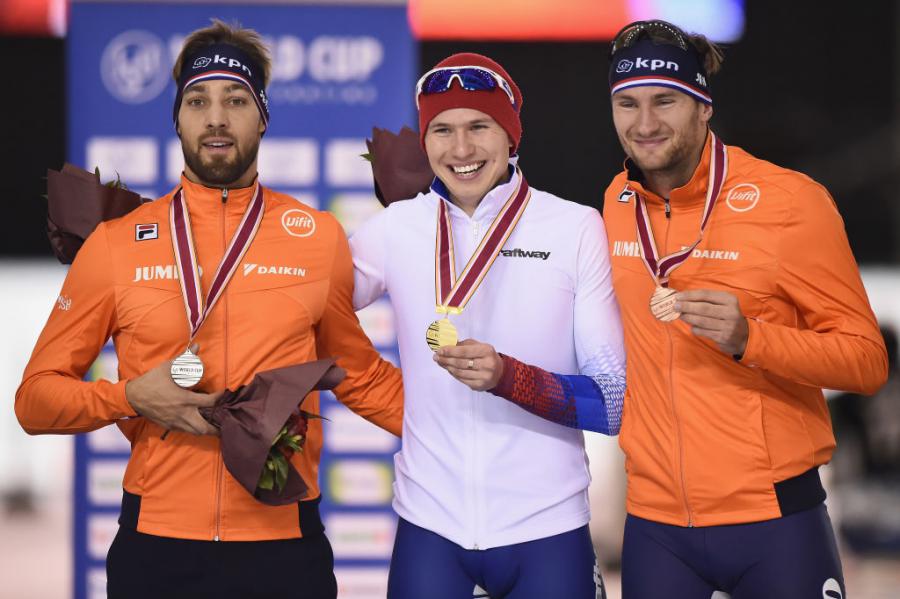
(662, 304)
(440, 333)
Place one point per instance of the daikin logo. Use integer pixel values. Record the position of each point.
(292, 271)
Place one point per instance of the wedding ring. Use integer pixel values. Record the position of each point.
(471, 365)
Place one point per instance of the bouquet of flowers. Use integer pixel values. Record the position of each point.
(399, 165)
(77, 202)
(262, 426)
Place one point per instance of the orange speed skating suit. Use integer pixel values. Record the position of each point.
(289, 301)
(711, 440)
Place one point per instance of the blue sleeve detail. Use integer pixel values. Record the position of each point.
(597, 400)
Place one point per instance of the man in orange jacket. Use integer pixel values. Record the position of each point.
(257, 281)
(740, 300)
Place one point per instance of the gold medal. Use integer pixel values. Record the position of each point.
(662, 304)
(440, 333)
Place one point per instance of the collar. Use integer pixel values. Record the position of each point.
(490, 204)
(200, 196)
(692, 193)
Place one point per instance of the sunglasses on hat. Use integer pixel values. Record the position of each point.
(656, 30)
(470, 78)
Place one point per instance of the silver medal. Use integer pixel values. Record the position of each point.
(187, 370)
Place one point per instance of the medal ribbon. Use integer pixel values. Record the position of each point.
(452, 293)
(186, 256)
(660, 269)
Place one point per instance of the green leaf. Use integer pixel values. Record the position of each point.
(281, 472)
(267, 480)
(367, 156)
(311, 416)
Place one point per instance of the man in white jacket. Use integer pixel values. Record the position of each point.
(491, 481)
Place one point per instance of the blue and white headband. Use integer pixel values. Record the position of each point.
(648, 63)
(223, 61)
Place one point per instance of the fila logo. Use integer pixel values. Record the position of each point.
(626, 195)
(743, 197)
(145, 232)
(517, 253)
(293, 271)
(298, 223)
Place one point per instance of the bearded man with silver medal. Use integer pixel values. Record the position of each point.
(188, 528)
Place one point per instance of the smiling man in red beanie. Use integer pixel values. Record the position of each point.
(491, 481)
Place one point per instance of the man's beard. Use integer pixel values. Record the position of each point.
(220, 171)
(670, 163)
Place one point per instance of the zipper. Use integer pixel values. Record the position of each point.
(681, 468)
(220, 461)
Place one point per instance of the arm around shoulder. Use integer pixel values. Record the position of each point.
(373, 387)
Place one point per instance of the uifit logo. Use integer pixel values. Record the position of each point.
(742, 197)
(298, 223)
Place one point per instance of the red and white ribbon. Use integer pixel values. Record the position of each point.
(452, 293)
(186, 256)
(661, 268)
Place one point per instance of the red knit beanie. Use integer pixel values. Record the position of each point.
(494, 103)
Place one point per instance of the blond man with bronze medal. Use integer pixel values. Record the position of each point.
(752, 305)
(491, 487)
(188, 527)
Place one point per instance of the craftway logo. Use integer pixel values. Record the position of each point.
(625, 65)
(292, 271)
(145, 232)
(519, 253)
(743, 197)
(157, 272)
(298, 223)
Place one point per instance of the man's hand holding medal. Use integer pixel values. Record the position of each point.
(155, 396)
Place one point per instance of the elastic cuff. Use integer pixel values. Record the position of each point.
(122, 401)
(506, 385)
(754, 338)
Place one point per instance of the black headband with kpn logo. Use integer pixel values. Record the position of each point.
(648, 63)
(223, 61)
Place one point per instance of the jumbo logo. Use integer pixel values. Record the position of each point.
(298, 223)
(743, 197)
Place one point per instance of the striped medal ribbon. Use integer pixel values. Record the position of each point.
(187, 369)
(662, 302)
(452, 293)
